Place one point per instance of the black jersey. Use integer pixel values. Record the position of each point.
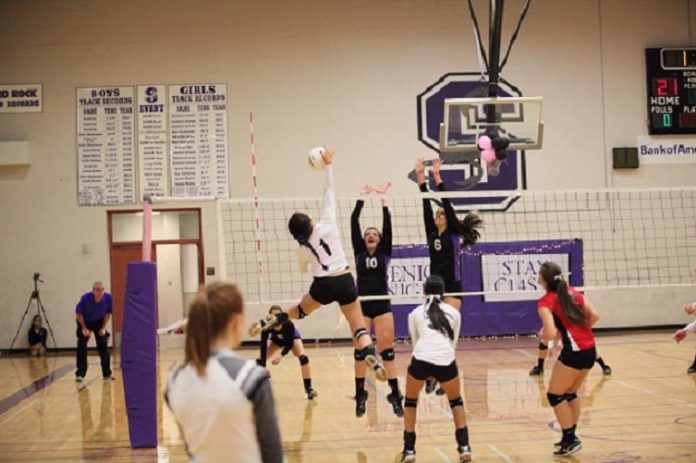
(371, 268)
(444, 248)
(285, 338)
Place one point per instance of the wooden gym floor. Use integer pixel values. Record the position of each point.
(644, 412)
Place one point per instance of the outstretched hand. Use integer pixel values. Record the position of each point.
(690, 309)
(328, 154)
(679, 335)
(383, 187)
(367, 189)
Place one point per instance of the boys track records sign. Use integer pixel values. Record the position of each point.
(105, 146)
(198, 140)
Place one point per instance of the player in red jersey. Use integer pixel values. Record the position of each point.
(564, 309)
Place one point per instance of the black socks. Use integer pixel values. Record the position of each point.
(409, 441)
(359, 386)
(394, 385)
(307, 384)
(462, 435)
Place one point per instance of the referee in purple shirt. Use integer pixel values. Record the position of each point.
(93, 313)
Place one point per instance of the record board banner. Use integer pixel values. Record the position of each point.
(21, 98)
(105, 145)
(198, 140)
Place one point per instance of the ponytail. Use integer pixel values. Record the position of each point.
(198, 333)
(572, 311)
(209, 315)
(552, 275)
(469, 229)
(434, 287)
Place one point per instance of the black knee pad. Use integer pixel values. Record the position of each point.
(555, 399)
(570, 397)
(301, 311)
(358, 355)
(412, 403)
(388, 355)
(359, 333)
(458, 402)
(304, 360)
(543, 346)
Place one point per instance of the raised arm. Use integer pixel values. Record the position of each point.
(386, 241)
(428, 218)
(328, 213)
(355, 232)
(452, 220)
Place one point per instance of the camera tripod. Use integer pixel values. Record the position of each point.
(39, 310)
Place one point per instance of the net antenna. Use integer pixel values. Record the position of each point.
(257, 220)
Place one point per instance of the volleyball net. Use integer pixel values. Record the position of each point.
(603, 238)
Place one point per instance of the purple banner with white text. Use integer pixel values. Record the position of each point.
(506, 271)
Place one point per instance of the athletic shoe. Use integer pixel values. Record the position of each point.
(440, 391)
(79, 378)
(265, 324)
(373, 363)
(311, 394)
(692, 369)
(464, 453)
(560, 442)
(360, 402)
(568, 449)
(396, 405)
(109, 378)
(606, 369)
(408, 456)
(430, 385)
(536, 371)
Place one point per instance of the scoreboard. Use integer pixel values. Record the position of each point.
(671, 79)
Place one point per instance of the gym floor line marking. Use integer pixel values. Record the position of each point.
(442, 454)
(33, 388)
(500, 454)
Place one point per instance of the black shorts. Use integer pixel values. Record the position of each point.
(341, 289)
(453, 287)
(580, 360)
(422, 370)
(373, 309)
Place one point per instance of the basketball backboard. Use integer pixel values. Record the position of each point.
(466, 119)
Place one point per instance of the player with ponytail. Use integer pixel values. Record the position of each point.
(434, 328)
(446, 234)
(564, 309)
(222, 403)
(320, 248)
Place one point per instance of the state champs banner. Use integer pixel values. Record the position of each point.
(507, 271)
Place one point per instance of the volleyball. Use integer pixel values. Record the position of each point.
(315, 159)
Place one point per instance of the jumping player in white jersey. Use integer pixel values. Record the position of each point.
(434, 328)
(321, 247)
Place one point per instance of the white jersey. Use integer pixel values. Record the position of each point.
(430, 345)
(221, 414)
(325, 251)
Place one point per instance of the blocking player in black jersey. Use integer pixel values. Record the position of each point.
(286, 338)
(446, 234)
(373, 251)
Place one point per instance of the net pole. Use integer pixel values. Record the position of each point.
(257, 220)
(147, 229)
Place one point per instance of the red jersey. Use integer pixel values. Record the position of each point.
(575, 337)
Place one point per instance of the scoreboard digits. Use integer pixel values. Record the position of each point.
(671, 79)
